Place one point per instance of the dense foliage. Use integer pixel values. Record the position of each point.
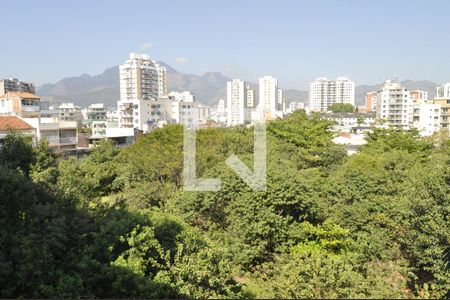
(119, 224)
(341, 108)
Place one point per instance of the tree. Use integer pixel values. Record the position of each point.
(341, 108)
(17, 151)
(45, 168)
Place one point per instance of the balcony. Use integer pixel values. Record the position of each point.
(48, 126)
(53, 141)
(30, 108)
(68, 125)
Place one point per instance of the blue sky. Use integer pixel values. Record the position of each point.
(297, 41)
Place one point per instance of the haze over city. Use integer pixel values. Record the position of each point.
(296, 41)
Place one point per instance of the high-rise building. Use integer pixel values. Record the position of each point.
(251, 97)
(139, 78)
(143, 93)
(323, 93)
(395, 105)
(162, 80)
(14, 85)
(270, 98)
(443, 91)
(236, 102)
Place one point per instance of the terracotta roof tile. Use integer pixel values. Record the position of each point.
(7, 122)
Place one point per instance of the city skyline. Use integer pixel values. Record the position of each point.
(296, 42)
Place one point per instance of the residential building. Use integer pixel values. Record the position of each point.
(14, 85)
(444, 104)
(395, 105)
(348, 122)
(426, 118)
(139, 78)
(21, 104)
(184, 112)
(371, 101)
(204, 114)
(293, 106)
(251, 98)
(162, 80)
(221, 106)
(120, 136)
(70, 112)
(219, 113)
(419, 96)
(96, 112)
(185, 96)
(143, 94)
(443, 91)
(323, 93)
(236, 102)
(270, 99)
(61, 134)
(16, 123)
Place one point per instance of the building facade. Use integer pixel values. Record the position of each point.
(70, 112)
(20, 104)
(443, 91)
(395, 105)
(371, 101)
(14, 85)
(143, 94)
(323, 93)
(236, 102)
(426, 118)
(270, 98)
(444, 104)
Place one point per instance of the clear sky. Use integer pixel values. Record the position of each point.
(367, 40)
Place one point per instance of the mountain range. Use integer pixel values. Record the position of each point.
(85, 89)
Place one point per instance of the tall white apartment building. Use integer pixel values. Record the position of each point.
(324, 92)
(162, 80)
(139, 78)
(143, 88)
(443, 91)
(270, 98)
(395, 105)
(426, 118)
(236, 102)
(251, 97)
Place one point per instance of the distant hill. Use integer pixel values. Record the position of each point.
(85, 89)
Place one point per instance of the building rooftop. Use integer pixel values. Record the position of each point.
(11, 122)
(20, 95)
(350, 115)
